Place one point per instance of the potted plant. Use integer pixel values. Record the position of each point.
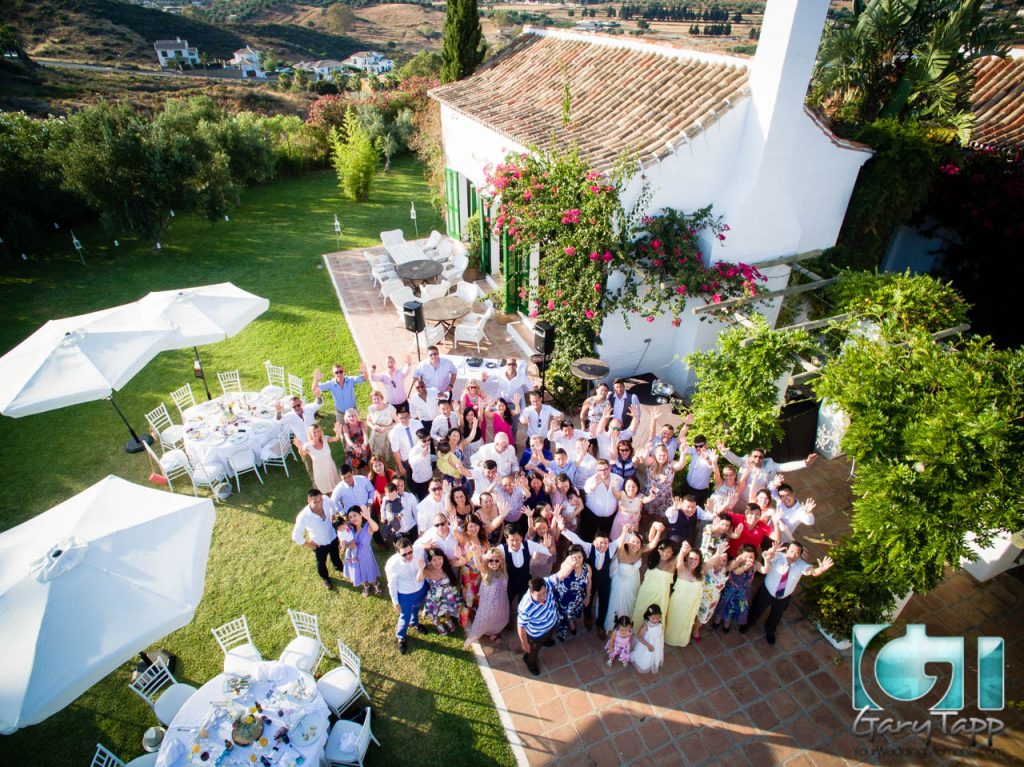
(473, 244)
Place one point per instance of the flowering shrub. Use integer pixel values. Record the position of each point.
(573, 214)
(668, 266)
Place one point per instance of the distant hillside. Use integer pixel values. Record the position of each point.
(117, 32)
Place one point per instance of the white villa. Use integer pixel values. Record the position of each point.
(322, 68)
(707, 129)
(371, 62)
(167, 51)
(247, 61)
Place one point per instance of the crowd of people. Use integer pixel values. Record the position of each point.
(506, 514)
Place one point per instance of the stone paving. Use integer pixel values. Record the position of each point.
(736, 700)
(730, 699)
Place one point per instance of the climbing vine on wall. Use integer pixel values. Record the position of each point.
(573, 214)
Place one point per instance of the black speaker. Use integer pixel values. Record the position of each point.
(414, 316)
(544, 338)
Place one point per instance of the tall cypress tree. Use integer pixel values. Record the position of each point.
(463, 45)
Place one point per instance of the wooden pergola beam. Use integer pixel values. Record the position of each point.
(804, 288)
(790, 259)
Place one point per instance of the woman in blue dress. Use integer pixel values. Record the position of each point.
(360, 565)
(572, 593)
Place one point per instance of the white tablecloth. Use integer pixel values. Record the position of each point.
(277, 697)
(465, 372)
(213, 431)
(405, 251)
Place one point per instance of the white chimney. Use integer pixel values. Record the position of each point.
(758, 208)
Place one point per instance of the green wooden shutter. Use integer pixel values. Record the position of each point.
(453, 221)
(485, 234)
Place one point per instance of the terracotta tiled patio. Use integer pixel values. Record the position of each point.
(731, 699)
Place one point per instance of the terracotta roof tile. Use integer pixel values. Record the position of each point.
(998, 103)
(625, 96)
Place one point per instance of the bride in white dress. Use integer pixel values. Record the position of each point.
(625, 574)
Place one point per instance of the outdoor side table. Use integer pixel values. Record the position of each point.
(446, 311)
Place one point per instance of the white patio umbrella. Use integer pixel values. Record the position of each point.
(80, 359)
(203, 315)
(88, 584)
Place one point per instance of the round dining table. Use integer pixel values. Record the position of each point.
(419, 271)
(294, 714)
(230, 423)
(446, 311)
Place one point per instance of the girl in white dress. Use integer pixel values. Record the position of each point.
(649, 652)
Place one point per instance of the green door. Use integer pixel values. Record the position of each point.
(485, 232)
(515, 261)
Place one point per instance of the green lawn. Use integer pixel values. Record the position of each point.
(431, 706)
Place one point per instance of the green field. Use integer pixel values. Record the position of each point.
(431, 706)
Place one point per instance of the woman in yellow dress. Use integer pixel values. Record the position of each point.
(686, 596)
(656, 587)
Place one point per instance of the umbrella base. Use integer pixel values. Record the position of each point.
(135, 445)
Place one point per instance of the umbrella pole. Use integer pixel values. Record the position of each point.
(134, 445)
(197, 366)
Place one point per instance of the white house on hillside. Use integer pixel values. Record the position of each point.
(371, 62)
(169, 51)
(247, 61)
(707, 129)
(321, 69)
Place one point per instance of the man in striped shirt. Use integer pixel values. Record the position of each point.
(538, 615)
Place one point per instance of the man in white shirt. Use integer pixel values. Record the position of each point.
(423, 404)
(759, 469)
(789, 512)
(431, 505)
(538, 416)
(437, 372)
(485, 478)
(314, 529)
(601, 503)
(510, 385)
(405, 588)
(444, 421)
(298, 420)
(398, 506)
(624, 405)
(441, 535)
(353, 490)
(563, 435)
(783, 570)
(702, 463)
(499, 451)
(421, 469)
(608, 438)
(402, 439)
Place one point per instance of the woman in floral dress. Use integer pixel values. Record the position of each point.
(660, 473)
(441, 604)
(735, 601)
(715, 576)
(473, 543)
(492, 610)
(360, 565)
(573, 593)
